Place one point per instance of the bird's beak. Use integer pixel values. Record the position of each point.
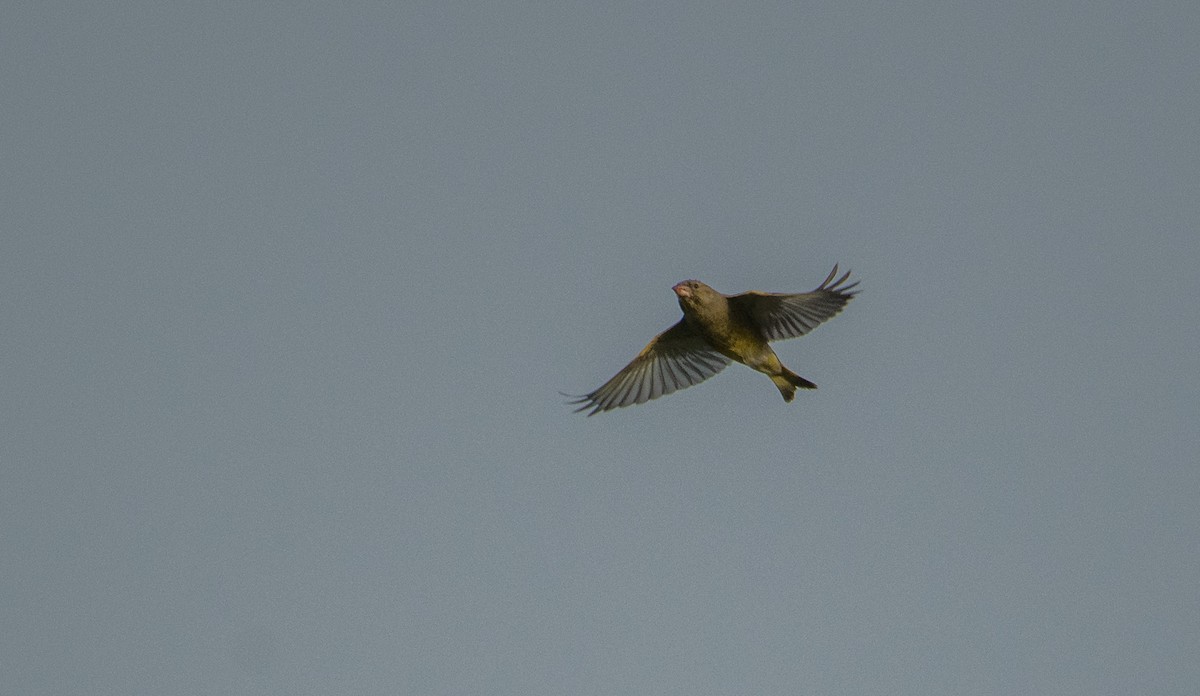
(682, 290)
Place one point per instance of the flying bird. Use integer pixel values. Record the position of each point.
(715, 330)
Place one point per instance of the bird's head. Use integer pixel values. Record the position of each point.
(686, 288)
(693, 293)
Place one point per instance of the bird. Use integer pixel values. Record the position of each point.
(716, 330)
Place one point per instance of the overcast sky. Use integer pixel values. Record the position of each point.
(289, 292)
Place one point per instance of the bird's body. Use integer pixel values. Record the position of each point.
(731, 330)
(715, 330)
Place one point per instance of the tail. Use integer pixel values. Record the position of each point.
(787, 382)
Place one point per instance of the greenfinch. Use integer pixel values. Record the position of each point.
(715, 330)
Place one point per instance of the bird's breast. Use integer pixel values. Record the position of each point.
(733, 341)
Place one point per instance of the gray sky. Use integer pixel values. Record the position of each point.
(289, 292)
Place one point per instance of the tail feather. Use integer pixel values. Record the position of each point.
(787, 383)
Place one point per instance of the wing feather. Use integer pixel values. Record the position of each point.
(676, 359)
(783, 316)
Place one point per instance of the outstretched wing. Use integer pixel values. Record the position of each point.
(783, 316)
(677, 358)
